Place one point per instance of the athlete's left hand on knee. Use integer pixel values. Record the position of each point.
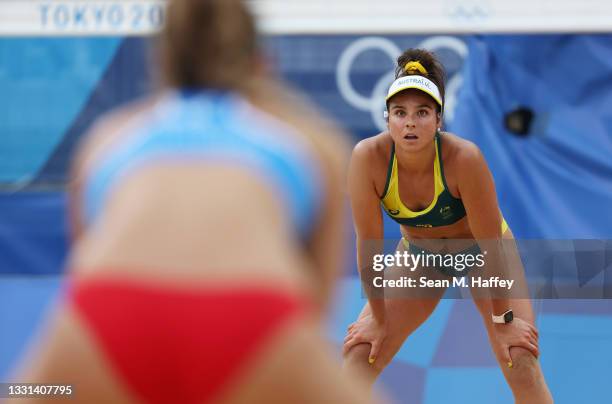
(518, 333)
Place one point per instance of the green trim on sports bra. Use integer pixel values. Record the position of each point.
(443, 210)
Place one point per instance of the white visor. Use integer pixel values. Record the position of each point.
(418, 82)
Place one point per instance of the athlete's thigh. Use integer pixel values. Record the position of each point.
(67, 354)
(521, 307)
(299, 351)
(518, 296)
(406, 308)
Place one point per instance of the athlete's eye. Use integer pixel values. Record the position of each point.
(422, 113)
(400, 113)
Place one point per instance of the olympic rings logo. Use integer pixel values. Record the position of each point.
(374, 103)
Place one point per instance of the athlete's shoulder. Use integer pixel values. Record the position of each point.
(461, 156)
(326, 142)
(116, 117)
(373, 148)
(106, 126)
(107, 129)
(458, 150)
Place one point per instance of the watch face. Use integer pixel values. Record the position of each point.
(508, 316)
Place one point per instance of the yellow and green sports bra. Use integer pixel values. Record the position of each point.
(443, 210)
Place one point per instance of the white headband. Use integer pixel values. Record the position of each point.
(418, 82)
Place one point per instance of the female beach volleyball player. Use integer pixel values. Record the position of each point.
(436, 185)
(207, 235)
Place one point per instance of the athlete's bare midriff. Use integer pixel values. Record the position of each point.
(457, 230)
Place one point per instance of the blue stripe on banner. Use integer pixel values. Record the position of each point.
(45, 83)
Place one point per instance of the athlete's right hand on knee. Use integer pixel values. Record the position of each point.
(366, 330)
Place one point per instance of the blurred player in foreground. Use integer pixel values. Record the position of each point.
(207, 233)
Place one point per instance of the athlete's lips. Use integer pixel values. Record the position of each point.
(411, 136)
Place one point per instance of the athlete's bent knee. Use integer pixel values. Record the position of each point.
(525, 371)
(359, 356)
(357, 353)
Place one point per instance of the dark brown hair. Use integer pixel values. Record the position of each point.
(207, 43)
(429, 60)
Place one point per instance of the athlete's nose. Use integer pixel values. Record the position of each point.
(410, 122)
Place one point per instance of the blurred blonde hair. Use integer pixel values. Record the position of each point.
(207, 44)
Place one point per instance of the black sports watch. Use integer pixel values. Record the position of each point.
(505, 318)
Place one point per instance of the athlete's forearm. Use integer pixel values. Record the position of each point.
(500, 306)
(365, 259)
(376, 297)
(497, 268)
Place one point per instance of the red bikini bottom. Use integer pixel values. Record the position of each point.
(179, 345)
